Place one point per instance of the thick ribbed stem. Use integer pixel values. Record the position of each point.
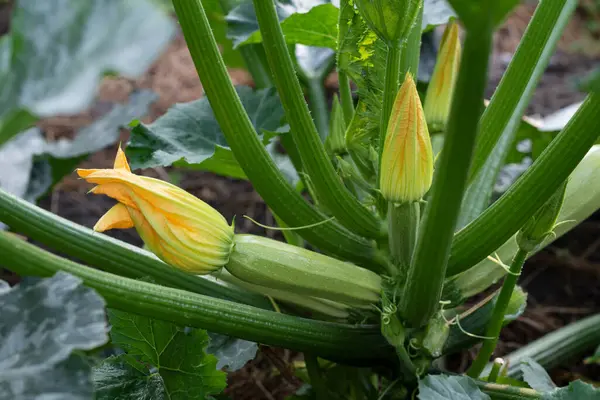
(328, 186)
(250, 153)
(194, 310)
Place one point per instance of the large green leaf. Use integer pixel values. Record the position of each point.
(317, 27)
(124, 378)
(29, 165)
(308, 22)
(315, 24)
(179, 355)
(233, 353)
(58, 50)
(444, 387)
(189, 135)
(42, 324)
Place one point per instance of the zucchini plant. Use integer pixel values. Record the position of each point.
(384, 199)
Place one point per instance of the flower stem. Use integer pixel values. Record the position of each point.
(403, 226)
(428, 267)
(254, 57)
(495, 324)
(249, 151)
(329, 188)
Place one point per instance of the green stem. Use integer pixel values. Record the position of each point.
(402, 58)
(501, 220)
(507, 392)
(557, 347)
(495, 372)
(105, 252)
(345, 14)
(403, 226)
(194, 310)
(520, 79)
(318, 106)
(428, 267)
(502, 117)
(406, 365)
(255, 59)
(495, 324)
(346, 96)
(329, 188)
(316, 379)
(253, 55)
(390, 89)
(411, 49)
(250, 153)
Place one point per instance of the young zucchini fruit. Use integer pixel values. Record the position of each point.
(276, 265)
(320, 308)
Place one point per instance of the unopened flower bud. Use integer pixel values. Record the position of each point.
(441, 86)
(542, 223)
(391, 20)
(407, 158)
(179, 228)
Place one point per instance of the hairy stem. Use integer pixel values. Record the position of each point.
(329, 188)
(428, 267)
(194, 310)
(495, 324)
(250, 153)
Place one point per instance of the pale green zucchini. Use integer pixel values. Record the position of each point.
(276, 265)
(329, 309)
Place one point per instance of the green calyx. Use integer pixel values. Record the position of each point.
(542, 223)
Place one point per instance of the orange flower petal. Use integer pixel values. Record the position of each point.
(116, 218)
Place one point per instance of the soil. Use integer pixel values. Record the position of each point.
(561, 280)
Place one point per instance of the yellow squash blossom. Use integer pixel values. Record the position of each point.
(407, 157)
(179, 228)
(441, 86)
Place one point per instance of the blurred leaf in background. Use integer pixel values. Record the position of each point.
(57, 51)
(44, 323)
(30, 165)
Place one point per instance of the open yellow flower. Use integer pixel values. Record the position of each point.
(179, 228)
(407, 157)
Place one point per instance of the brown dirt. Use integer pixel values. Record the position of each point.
(561, 280)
